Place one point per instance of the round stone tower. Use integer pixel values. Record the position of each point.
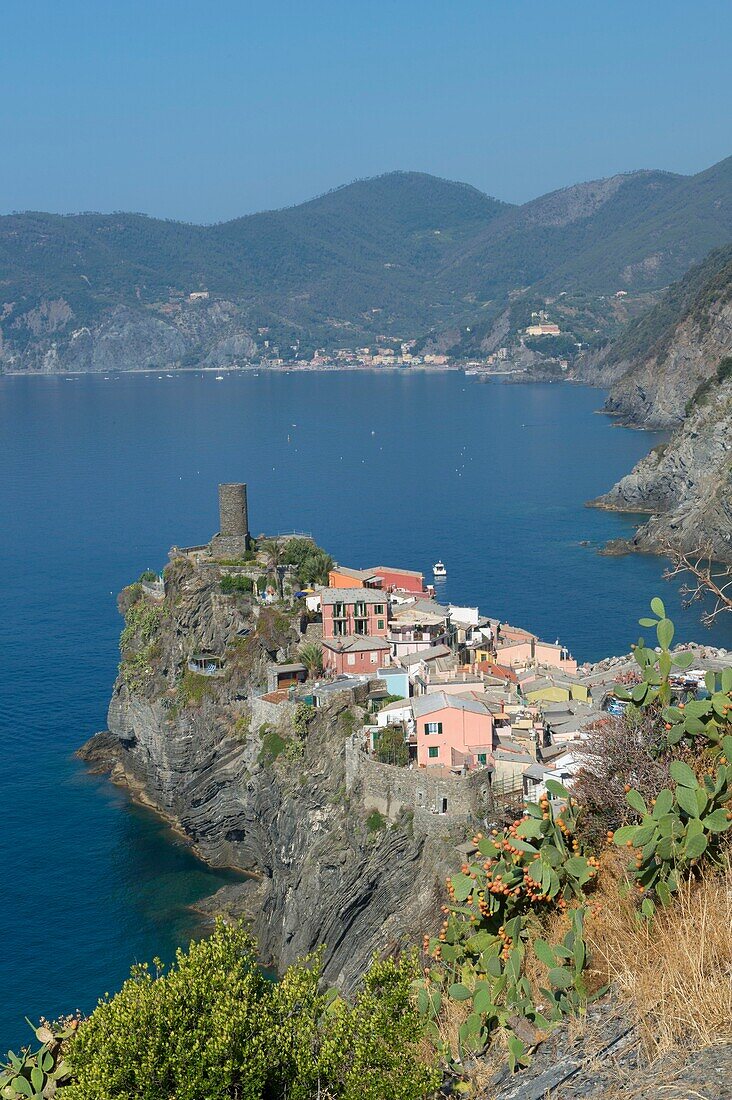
(233, 538)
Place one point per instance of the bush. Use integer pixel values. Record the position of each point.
(391, 748)
(272, 745)
(497, 904)
(375, 822)
(231, 582)
(142, 621)
(618, 751)
(213, 1027)
(194, 688)
(534, 877)
(312, 564)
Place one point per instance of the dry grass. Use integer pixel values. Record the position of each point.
(677, 970)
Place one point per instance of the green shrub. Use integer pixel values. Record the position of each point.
(391, 748)
(214, 1028)
(231, 582)
(242, 728)
(148, 575)
(193, 688)
(724, 370)
(680, 827)
(33, 1074)
(137, 669)
(375, 822)
(272, 745)
(312, 564)
(247, 556)
(142, 621)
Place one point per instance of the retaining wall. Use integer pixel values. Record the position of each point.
(437, 801)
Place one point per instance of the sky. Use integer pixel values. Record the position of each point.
(206, 111)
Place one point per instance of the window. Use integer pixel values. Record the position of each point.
(351, 658)
(433, 727)
(482, 757)
(379, 610)
(380, 624)
(433, 752)
(374, 657)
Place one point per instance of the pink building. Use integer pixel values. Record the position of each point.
(355, 655)
(453, 731)
(403, 580)
(357, 612)
(528, 650)
(555, 656)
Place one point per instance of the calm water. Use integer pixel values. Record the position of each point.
(101, 477)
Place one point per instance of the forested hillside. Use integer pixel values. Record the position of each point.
(404, 254)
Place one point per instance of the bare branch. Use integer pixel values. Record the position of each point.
(709, 580)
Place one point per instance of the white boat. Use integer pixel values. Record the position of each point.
(219, 377)
(439, 570)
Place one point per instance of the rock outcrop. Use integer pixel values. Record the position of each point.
(654, 392)
(266, 798)
(672, 368)
(686, 484)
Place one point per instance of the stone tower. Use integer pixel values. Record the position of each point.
(233, 538)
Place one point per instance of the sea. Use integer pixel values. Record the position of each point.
(101, 475)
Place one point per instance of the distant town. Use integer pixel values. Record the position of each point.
(545, 340)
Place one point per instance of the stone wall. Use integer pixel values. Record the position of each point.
(437, 801)
(275, 714)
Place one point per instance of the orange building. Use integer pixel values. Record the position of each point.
(384, 577)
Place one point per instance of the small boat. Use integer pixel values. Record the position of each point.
(439, 570)
(219, 377)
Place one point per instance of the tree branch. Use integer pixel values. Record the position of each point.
(709, 580)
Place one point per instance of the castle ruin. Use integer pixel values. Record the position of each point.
(233, 539)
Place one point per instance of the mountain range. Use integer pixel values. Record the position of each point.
(405, 255)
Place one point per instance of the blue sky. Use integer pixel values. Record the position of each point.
(209, 110)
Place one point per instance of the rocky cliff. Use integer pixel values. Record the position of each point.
(686, 484)
(267, 797)
(672, 369)
(657, 364)
(48, 338)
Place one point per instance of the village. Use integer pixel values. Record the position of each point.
(444, 690)
(450, 690)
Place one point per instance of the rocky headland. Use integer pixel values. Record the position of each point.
(684, 486)
(264, 793)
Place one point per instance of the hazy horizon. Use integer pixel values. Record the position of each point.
(340, 186)
(160, 109)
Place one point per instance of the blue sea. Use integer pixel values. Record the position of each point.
(100, 476)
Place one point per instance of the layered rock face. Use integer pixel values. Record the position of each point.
(676, 364)
(685, 484)
(654, 393)
(323, 871)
